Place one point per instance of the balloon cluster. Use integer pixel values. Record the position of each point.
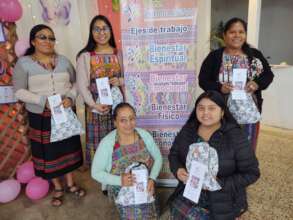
(36, 187)
(10, 10)
(21, 46)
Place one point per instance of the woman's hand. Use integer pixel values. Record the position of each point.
(104, 109)
(127, 179)
(67, 102)
(151, 187)
(182, 175)
(47, 105)
(251, 86)
(226, 88)
(114, 81)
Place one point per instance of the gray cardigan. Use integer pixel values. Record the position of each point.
(33, 83)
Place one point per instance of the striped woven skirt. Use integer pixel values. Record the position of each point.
(97, 127)
(252, 131)
(146, 211)
(55, 159)
(182, 208)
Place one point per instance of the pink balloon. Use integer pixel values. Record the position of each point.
(25, 172)
(21, 46)
(37, 188)
(9, 190)
(10, 10)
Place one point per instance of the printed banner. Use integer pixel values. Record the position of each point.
(159, 52)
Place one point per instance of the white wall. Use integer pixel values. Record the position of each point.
(203, 42)
(223, 10)
(276, 25)
(277, 106)
(276, 30)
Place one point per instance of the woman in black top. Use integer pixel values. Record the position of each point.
(210, 122)
(216, 70)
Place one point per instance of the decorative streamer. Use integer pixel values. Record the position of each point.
(56, 11)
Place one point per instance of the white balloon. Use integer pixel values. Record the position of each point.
(9, 190)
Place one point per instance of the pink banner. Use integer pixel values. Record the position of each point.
(159, 51)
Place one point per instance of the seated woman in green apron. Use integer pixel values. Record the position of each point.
(115, 160)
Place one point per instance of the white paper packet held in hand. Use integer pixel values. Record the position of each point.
(202, 152)
(136, 194)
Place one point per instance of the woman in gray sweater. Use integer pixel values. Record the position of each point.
(37, 75)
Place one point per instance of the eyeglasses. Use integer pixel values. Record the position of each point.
(44, 37)
(98, 30)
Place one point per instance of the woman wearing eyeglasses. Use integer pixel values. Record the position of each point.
(99, 58)
(37, 75)
(121, 148)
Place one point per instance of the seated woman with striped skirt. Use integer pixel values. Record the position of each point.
(119, 156)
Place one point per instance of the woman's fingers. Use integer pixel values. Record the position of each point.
(182, 175)
(105, 107)
(47, 105)
(127, 179)
(67, 103)
(114, 81)
(102, 108)
(183, 172)
(151, 186)
(251, 86)
(226, 88)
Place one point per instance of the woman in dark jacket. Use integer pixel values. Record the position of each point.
(217, 69)
(211, 122)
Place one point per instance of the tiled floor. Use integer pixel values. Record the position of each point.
(271, 198)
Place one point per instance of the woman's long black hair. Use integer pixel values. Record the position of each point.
(217, 98)
(245, 47)
(33, 33)
(91, 44)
